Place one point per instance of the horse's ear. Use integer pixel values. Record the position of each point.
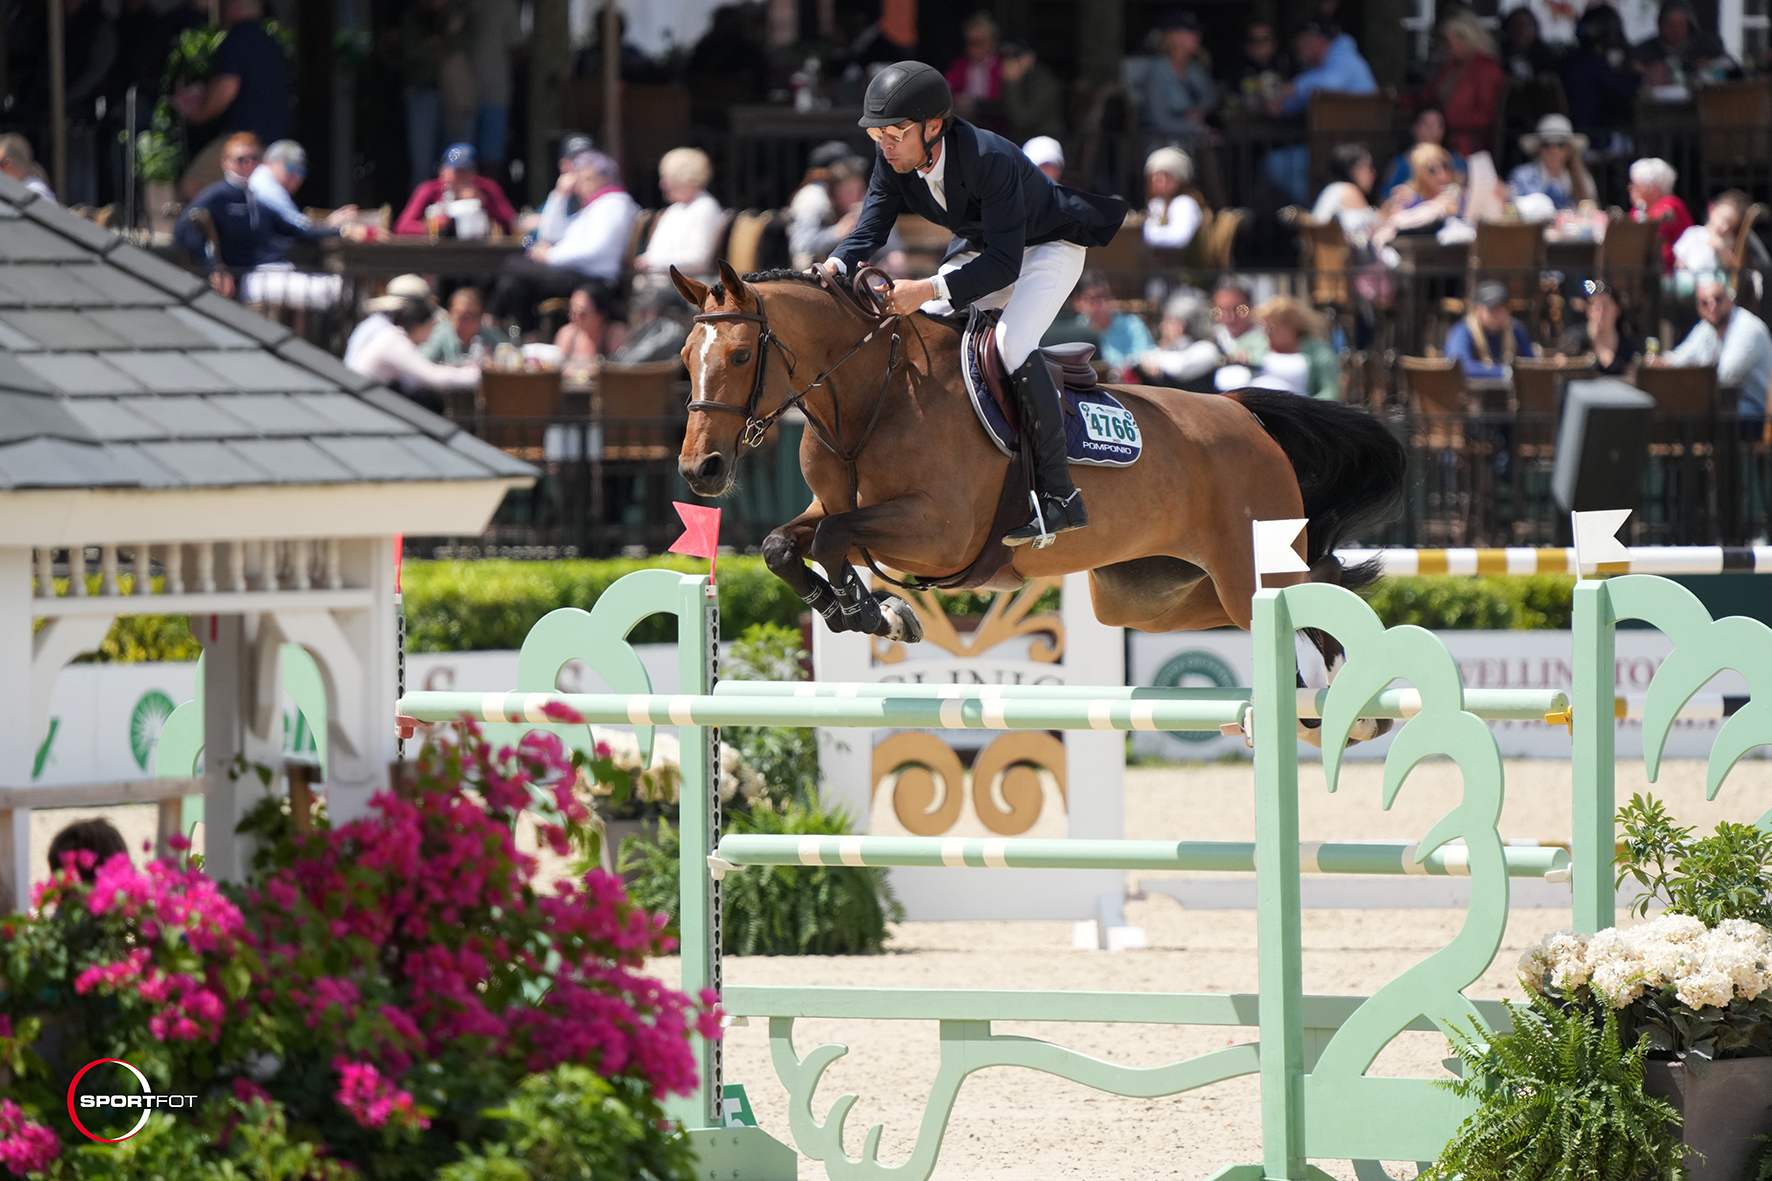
(696, 293)
(734, 284)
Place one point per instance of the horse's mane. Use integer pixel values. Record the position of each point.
(780, 275)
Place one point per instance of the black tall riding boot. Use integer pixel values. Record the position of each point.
(1058, 506)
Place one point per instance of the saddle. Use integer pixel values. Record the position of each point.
(1068, 364)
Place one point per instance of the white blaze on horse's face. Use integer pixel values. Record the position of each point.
(707, 344)
(710, 445)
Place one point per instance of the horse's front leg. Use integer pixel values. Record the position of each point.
(784, 552)
(896, 526)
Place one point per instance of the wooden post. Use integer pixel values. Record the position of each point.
(302, 775)
(550, 63)
(612, 84)
(58, 100)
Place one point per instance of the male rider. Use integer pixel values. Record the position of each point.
(1019, 244)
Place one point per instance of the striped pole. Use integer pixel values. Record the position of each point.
(1101, 709)
(1644, 559)
(1326, 857)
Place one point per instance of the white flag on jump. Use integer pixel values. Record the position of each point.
(1273, 547)
(1596, 537)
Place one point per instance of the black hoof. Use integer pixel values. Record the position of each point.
(898, 622)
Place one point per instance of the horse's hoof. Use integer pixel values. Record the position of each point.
(901, 622)
(1366, 729)
(1310, 735)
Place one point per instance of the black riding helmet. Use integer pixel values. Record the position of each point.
(905, 91)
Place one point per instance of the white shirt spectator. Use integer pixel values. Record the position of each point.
(392, 359)
(554, 217)
(596, 239)
(1742, 355)
(272, 195)
(367, 329)
(41, 187)
(1172, 224)
(1356, 220)
(686, 236)
(1694, 251)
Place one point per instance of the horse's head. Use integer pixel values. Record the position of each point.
(729, 378)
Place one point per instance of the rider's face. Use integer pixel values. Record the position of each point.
(905, 146)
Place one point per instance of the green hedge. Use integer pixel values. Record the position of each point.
(492, 604)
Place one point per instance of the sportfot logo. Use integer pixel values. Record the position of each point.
(116, 1099)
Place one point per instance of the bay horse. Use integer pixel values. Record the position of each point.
(902, 472)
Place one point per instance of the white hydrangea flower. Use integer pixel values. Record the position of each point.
(1569, 964)
(1702, 989)
(1620, 981)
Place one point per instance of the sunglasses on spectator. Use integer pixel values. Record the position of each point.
(244, 158)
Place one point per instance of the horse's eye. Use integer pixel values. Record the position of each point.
(741, 357)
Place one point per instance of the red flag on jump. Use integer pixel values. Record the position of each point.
(701, 533)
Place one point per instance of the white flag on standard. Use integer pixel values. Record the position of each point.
(1596, 537)
(1273, 547)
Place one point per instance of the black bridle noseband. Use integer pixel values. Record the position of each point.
(754, 427)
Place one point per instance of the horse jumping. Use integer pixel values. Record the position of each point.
(903, 474)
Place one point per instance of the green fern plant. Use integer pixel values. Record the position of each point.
(1561, 1099)
(776, 909)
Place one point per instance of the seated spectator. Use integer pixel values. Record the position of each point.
(825, 212)
(1555, 169)
(1033, 97)
(1489, 338)
(1524, 53)
(1178, 92)
(375, 313)
(1681, 52)
(1736, 342)
(1613, 343)
(1257, 73)
(1331, 62)
(593, 246)
(275, 181)
(1183, 357)
(560, 205)
(592, 331)
(1430, 197)
(247, 234)
(392, 357)
(1120, 338)
(449, 198)
(85, 845)
(1174, 213)
(1046, 154)
(687, 232)
(18, 162)
(1469, 84)
(1711, 246)
(1347, 198)
(1652, 200)
(1297, 353)
(1428, 127)
(976, 76)
(1240, 337)
(1599, 82)
(454, 339)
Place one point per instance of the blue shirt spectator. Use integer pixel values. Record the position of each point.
(1333, 63)
(252, 55)
(248, 233)
(1178, 92)
(1734, 340)
(1488, 340)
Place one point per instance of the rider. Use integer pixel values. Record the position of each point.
(1019, 243)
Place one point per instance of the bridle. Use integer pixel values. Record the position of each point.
(832, 437)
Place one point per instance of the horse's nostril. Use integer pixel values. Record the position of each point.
(711, 467)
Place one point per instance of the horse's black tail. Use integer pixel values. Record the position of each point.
(1350, 470)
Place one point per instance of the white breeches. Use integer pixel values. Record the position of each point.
(1049, 274)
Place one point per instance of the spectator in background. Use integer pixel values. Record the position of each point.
(392, 357)
(1428, 127)
(1553, 168)
(1469, 84)
(248, 90)
(432, 33)
(1331, 62)
(17, 161)
(1183, 357)
(458, 179)
(494, 31)
(90, 843)
(1711, 247)
(1047, 155)
(593, 246)
(1613, 342)
(1652, 200)
(1489, 338)
(1178, 92)
(1532, 68)
(1431, 196)
(1347, 198)
(1260, 69)
(275, 181)
(376, 311)
(1032, 96)
(1681, 53)
(825, 212)
(592, 330)
(452, 341)
(687, 232)
(1237, 334)
(1120, 338)
(1597, 78)
(248, 234)
(575, 150)
(1736, 342)
(1298, 358)
(1174, 212)
(976, 76)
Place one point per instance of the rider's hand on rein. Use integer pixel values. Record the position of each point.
(908, 295)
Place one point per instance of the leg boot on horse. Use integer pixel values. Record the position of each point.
(1058, 506)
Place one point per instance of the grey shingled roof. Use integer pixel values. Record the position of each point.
(118, 369)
